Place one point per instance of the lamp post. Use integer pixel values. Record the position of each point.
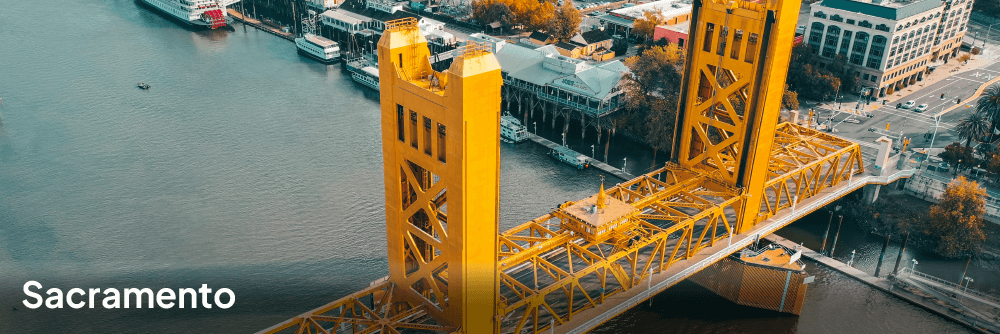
(914, 266)
(967, 281)
(624, 163)
(592, 150)
(851, 262)
(536, 126)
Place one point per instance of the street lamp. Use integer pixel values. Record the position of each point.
(536, 126)
(851, 262)
(914, 266)
(967, 281)
(624, 163)
(592, 150)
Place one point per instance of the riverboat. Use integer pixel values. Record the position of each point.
(570, 157)
(364, 71)
(511, 130)
(318, 48)
(143, 85)
(195, 13)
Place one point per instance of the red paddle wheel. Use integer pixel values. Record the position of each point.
(215, 16)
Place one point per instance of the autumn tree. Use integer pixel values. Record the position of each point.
(956, 222)
(646, 25)
(489, 11)
(789, 100)
(532, 14)
(652, 89)
(565, 22)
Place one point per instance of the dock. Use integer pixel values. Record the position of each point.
(259, 25)
(886, 285)
(593, 162)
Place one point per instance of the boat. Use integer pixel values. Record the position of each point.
(511, 130)
(195, 13)
(318, 48)
(570, 157)
(143, 85)
(364, 71)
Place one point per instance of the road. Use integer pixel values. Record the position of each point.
(915, 124)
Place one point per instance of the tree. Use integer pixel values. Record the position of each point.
(806, 78)
(790, 100)
(565, 23)
(652, 89)
(646, 25)
(989, 106)
(956, 155)
(957, 221)
(973, 127)
(532, 14)
(489, 11)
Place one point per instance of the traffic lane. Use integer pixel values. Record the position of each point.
(910, 127)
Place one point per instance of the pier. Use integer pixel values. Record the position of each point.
(257, 24)
(593, 162)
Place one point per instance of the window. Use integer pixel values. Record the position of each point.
(427, 136)
(845, 44)
(850, 21)
(400, 125)
(413, 128)
(737, 40)
(875, 54)
(860, 45)
(882, 27)
(865, 76)
(441, 143)
(709, 31)
(832, 36)
(865, 24)
(723, 35)
(837, 18)
(751, 46)
(819, 15)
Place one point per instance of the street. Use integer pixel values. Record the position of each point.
(915, 124)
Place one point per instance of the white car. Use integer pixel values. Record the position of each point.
(909, 104)
(921, 108)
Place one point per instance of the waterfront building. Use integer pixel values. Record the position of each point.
(540, 38)
(365, 20)
(676, 32)
(888, 44)
(542, 78)
(621, 21)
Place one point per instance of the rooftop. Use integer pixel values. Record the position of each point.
(345, 16)
(614, 211)
(887, 9)
(545, 67)
(669, 8)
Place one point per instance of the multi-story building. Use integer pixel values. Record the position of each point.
(888, 43)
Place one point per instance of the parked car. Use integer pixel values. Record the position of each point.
(909, 104)
(921, 107)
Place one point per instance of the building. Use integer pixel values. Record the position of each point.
(621, 21)
(674, 33)
(355, 21)
(888, 44)
(540, 38)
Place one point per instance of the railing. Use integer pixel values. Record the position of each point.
(607, 107)
(952, 287)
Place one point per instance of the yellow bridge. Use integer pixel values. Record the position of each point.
(736, 175)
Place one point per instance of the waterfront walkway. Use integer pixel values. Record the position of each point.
(926, 302)
(593, 162)
(259, 25)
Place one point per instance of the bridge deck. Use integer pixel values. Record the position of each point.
(617, 304)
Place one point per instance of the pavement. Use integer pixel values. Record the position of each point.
(954, 80)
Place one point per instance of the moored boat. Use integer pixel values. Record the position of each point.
(570, 157)
(511, 130)
(318, 48)
(196, 13)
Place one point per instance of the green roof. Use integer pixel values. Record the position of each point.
(888, 9)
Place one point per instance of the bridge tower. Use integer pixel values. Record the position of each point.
(737, 60)
(442, 171)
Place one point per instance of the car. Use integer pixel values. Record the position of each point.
(909, 104)
(852, 121)
(921, 108)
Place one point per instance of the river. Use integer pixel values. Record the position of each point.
(249, 167)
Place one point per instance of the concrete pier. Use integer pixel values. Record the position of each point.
(885, 285)
(593, 162)
(257, 24)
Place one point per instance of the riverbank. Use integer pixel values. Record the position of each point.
(884, 285)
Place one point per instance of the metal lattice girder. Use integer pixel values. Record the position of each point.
(367, 311)
(803, 163)
(548, 273)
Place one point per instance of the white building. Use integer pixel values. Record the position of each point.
(888, 43)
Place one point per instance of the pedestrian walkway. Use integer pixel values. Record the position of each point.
(891, 287)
